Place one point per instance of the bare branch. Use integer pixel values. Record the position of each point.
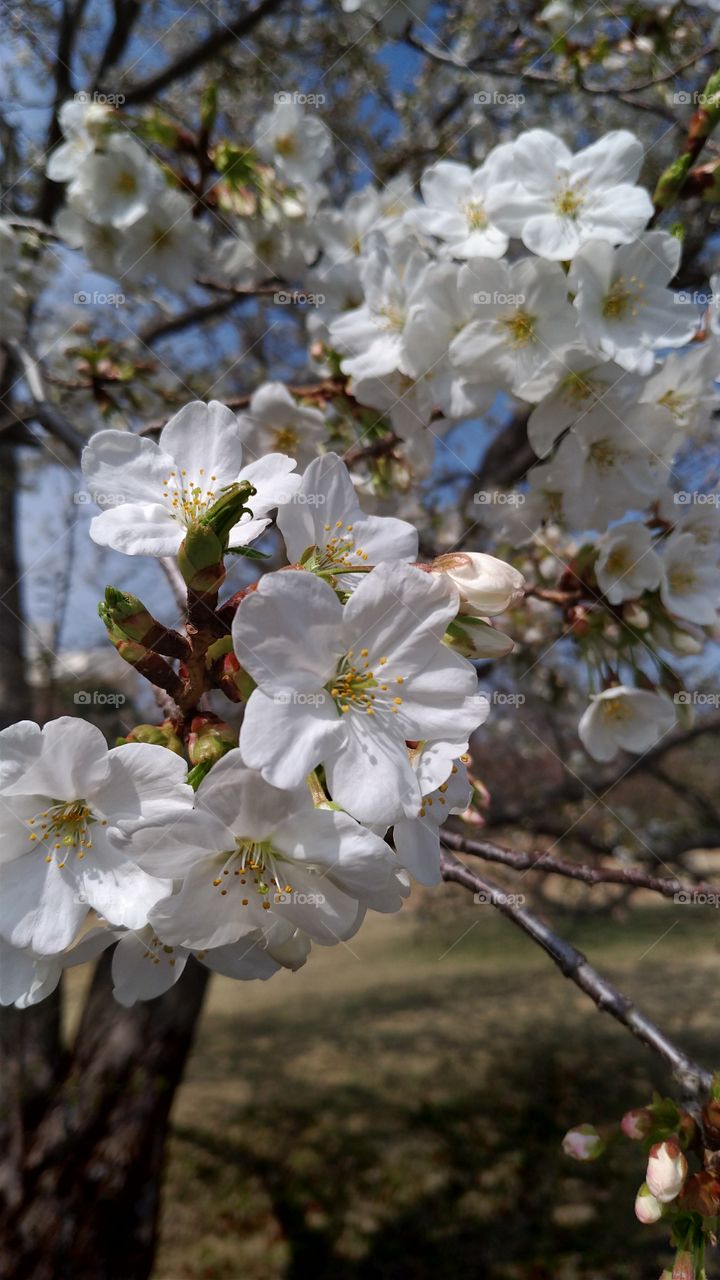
(694, 1079)
(44, 411)
(635, 877)
(206, 49)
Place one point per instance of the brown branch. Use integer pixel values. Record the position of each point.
(694, 1079)
(634, 877)
(201, 52)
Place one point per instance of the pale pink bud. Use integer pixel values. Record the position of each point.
(666, 1171)
(583, 1143)
(683, 1268)
(647, 1208)
(485, 583)
(637, 1123)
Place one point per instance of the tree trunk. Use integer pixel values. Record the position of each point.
(87, 1185)
(82, 1133)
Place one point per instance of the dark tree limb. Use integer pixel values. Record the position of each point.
(694, 1079)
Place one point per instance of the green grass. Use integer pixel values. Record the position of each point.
(395, 1110)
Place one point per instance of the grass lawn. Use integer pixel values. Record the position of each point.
(395, 1109)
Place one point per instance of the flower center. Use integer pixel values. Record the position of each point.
(475, 215)
(616, 709)
(391, 318)
(126, 183)
(618, 562)
(285, 439)
(675, 401)
(63, 829)
(254, 867)
(286, 146)
(336, 555)
(569, 202)
(603, 454)
(521, 328)
(189, 499)
(579, 387)
(682, 578)
(357, 687)
(623, 298)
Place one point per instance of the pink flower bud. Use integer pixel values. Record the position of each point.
(647, 1208)
(683, 1269)
(637, 1123)
(583, 1143)
(666, 1171)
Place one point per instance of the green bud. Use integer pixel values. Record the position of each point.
(200, 560)
(159, 735)
(224, 514)
(209, 739)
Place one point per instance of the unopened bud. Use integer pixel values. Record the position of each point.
(200, 561)
(132, 620)
(637, 1124)
(636, 616)
(227, 673)
(209, 739)
(160, 735)
(227, 511)
(666, 1171)
(486, 585)
(583, 1143)
(647, 1208)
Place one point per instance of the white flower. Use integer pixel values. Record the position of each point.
(62, 793)
(690, 583)
(275, 421)
(486, 585)
(623, 303)
(444, 783)
(326, 519)
(82, 125)
(100, 242)
(116, 185)
(666, 1171)
(166, 244)
(392, 19)
(296, 142)
(523, 320)
(153, 493)
(27, 978)
(715, 303)
(346, 687)
(455, 197)
(627, 563)
(256, 863)
(398, 327)
(606, 465)
(583, 383)
(624, 718)
(684, 386)
(556, 201)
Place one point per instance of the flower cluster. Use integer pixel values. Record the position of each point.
(358, 711)
(681, 1187)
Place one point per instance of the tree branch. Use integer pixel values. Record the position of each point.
(635, 877)
(195, 57)
(694, 1079)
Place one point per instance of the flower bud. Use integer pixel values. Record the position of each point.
(635, 616)
(477, 639)
(683, 1268)
(637, 1124)
(209, 738)
(583, 1143)
(200, 560)
(160, 735)
(647, 1208)
(227, 673)
(666, 1171)
(226, 512)
(130, 617)
(486, 585)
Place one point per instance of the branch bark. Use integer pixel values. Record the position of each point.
(694, 1079)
